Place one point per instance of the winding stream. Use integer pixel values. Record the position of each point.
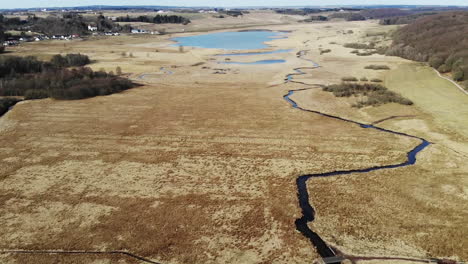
(328, 253)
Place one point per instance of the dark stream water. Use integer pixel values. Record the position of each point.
(308, 211)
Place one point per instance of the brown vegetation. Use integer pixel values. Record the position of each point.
(349, 79)
(325, 51)
(377, 67)
(359, 45)
(378, 13)
(375, 94)
(400, 20)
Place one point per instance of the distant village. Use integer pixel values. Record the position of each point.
(93, 29)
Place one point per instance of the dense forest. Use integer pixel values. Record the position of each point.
(383, 13)
(441, 40)
(158, 19)
(34, 79)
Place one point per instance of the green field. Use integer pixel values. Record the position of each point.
(432, 94)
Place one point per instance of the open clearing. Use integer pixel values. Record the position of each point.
(196, 167)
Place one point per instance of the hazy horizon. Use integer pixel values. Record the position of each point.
(223, 3)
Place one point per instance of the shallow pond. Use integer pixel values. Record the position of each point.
(254, 62)
(246, 40)
(257, 53)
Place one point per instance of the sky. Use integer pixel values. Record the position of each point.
(221, 3)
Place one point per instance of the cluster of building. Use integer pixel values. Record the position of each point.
(17, 41)
(144, 31)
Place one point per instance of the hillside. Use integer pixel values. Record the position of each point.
(441, 40)
(384, 13)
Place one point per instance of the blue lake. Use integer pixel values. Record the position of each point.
(246, 40)
(254, 63)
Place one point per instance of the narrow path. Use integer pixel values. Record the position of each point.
(328, 253)
(452, 81)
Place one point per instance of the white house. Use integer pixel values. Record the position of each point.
(139, 31)
(92, 28)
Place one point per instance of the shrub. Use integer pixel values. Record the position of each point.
(381, 50)
(450, 60)
(358, 46)
(368, 53)
(348, 16)
(355, 51)
(443, 68)
(70, 60)
(375, 94)
(376, 80)
(35, 94)
(458, 75)
(349, 79)
(377, 67)
(325, 51)
(436, 61)
(315, 18)
(364, 79)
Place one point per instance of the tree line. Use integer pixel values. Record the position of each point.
(441, 40)
(14, 65)
(34, 79)
(158, 19)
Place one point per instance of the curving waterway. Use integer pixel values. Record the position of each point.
(329, 254)
(308, 212)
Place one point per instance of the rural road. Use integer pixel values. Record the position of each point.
(452, 81)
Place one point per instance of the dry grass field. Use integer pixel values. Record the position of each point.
(196, 167)
(208, 22)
